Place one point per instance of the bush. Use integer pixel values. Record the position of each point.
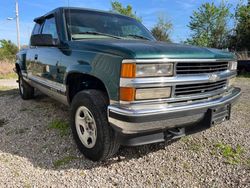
(8, 50)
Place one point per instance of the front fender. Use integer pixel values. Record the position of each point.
(105, 67)
(21, 61)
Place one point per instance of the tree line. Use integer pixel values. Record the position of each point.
(209, 25)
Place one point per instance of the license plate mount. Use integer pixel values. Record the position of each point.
(219, 114)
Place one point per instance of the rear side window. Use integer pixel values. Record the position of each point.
(36, 29)
(49, 27)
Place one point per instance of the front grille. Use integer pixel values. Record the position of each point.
(200, 67)
(203, 88)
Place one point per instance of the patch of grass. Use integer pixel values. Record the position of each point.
(192, 144)
(231, 155)
(27, 185)
(196, 147)
(185, 139)
(248, 162)
(6, 88)
(244, 75)
(8, 91)
(8, 76)
(61, 126)
(63, 161)
(6, 69)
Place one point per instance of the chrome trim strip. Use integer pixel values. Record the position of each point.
(53, 94)
(172, 81)
(51, 84)
(24, 74)
(178, 99)
(166, 60)
(166, 108)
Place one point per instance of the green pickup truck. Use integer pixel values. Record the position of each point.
(122, 86)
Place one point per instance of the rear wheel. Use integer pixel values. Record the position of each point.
(90, 127)
(26, 91)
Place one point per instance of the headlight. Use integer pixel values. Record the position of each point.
(131, 94)
(233, 65)
(131, 70)
(153, 93)
(152, 70)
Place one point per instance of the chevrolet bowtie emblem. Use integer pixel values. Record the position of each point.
(213, 77)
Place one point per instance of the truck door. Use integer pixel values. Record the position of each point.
(46, 59)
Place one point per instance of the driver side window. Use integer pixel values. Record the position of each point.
(49, 27)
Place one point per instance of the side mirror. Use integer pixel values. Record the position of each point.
(42, 40)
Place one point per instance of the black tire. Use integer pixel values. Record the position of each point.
(26, 91)
(106, 143)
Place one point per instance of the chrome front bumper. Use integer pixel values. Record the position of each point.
(149, 118)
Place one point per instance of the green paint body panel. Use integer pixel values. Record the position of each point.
(102, 58)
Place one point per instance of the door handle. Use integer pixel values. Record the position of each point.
(36, 57)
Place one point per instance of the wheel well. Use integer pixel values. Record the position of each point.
(77, 82)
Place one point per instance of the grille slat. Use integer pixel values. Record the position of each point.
(199, 90)
(205, 70)
(189, 86)
(204, 67)
(201, 66)
(203, 88)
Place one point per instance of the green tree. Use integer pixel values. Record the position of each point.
(8, 50)
(241, 38)
(161, 30)
(128, 11)
(209, 25)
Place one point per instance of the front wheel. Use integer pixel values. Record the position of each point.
(90, 127)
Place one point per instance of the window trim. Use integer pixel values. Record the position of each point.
(43, 23)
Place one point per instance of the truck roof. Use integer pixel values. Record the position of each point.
(74, 8)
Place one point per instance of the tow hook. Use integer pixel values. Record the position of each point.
(175, 133)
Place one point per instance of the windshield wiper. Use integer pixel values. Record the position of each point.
(95, 33)
(138, 36)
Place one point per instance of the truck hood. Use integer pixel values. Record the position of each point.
(140, 49)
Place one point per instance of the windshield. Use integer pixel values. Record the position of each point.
(84, 24)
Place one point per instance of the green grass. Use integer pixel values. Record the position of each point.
(8, 76)
(192, 144)
(244, 75)
(61, 126)
(63, 161)
(248, 162)
(6, 88)
(232, 155)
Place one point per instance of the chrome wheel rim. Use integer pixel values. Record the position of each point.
(21, 85)
(86, 127)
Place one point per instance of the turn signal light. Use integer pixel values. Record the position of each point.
(128, 70)
(127, 93)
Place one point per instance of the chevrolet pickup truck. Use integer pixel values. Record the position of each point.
(122, 86)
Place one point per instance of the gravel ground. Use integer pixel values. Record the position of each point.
(34, 155)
